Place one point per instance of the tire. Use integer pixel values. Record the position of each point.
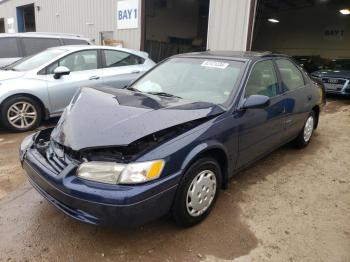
(27, 111)
(305, 135)
(208, 171)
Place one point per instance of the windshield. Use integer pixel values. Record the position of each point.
(32, 62)
(204, 80)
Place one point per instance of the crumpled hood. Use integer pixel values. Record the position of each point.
(8, 74)
(332, 73)
(107, 117)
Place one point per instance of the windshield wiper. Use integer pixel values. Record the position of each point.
(163, 94)
(8, 69)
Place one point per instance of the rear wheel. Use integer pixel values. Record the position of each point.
(306, 133)
(20, 114)
(197, 192)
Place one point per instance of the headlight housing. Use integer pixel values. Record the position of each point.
(115, 173)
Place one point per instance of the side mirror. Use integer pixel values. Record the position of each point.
(61, 71)
(256, 101)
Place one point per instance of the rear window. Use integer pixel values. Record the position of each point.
(8, 47)
(117, 58)
(67, 41)
(32, 46)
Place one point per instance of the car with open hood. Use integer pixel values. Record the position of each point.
(171, 140)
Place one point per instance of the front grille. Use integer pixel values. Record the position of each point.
(334, 81)
(334, 84)
(56, 157)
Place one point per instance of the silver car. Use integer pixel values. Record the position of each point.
(41, 86)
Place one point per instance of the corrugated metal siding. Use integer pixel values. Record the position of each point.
(228, 24)
(85, 17)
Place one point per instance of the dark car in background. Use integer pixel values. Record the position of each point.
(335, 76)
(310, 63)
(15, 46)
(171, 140)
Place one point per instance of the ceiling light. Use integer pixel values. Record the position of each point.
(273, 20)
(345, 11)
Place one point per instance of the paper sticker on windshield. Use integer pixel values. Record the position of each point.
(215, 64)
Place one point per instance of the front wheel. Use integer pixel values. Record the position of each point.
(20, 114)
(306, 133)
(197, 192)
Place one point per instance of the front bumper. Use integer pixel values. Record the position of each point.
(97, 203)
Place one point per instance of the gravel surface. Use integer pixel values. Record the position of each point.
(293, 205)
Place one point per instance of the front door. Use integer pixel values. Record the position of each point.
(85, 72)
(260, 130)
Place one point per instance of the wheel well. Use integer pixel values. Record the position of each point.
(316, 109)
(220, 156)
(36, 99)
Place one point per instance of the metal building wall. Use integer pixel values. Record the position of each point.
(8, 9)
(229, 24)
(85, 17)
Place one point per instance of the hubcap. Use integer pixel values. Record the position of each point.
(308, 129)
(22, 115)
(201, 193)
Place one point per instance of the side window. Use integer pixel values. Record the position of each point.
(291, 76)
(118, 58)
(79, 61)
(32, 46)
(51, 68)
(262, 80)
(68, 41)
(8, 47)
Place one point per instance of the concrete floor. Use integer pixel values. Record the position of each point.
(294, 205)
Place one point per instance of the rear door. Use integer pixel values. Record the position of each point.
(85, 71)
(260, 130)
(121, 68)
(297, 97)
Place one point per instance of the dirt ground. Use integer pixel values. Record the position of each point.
(294, 205)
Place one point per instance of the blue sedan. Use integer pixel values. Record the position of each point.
(170, 141)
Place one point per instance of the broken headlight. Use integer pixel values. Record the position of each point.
(114, 173)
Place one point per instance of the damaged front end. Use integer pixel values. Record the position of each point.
(131, 152)
(59, 156)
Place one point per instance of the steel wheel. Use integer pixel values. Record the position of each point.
(308, 128)
(22, 115)
(201, 193)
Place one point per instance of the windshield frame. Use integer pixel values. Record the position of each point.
(235, 88)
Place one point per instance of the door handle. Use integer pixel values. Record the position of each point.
(136, 72)
(94, 78)
(309, 97)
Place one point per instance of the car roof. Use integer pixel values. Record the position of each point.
(231, 55)
(72, 48)
(45, 35)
